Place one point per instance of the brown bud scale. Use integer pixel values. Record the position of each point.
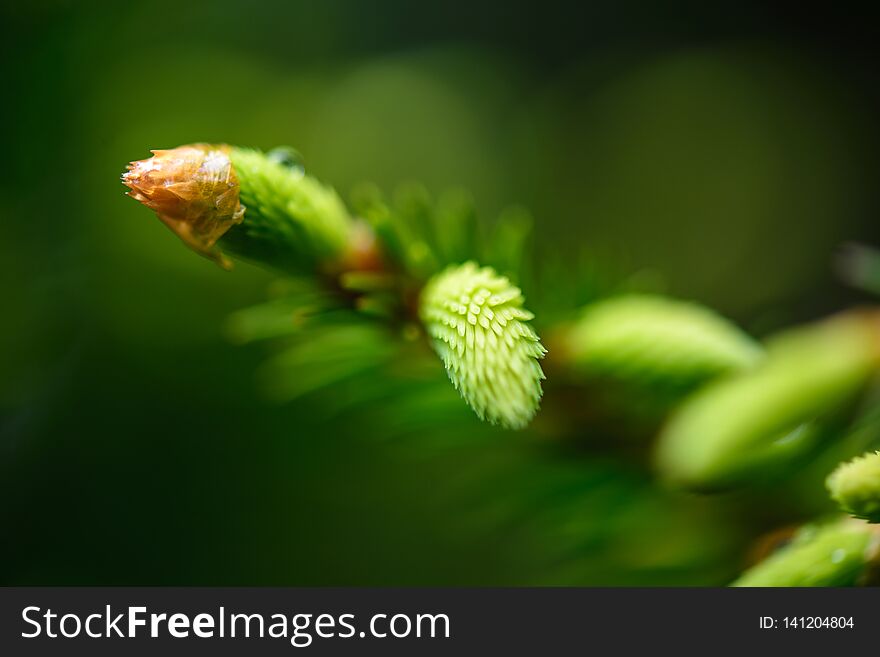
(195, 192)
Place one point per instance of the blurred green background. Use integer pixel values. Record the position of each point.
(720, 153)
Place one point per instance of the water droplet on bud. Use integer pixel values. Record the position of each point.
(289, 158)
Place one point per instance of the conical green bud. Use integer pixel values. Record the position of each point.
(835, 554)
(480, 330)
(855, 486)
(652, 342)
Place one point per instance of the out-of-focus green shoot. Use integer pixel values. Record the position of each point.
(838, 553)
(855, 486)
(655, 346)
(747, 426)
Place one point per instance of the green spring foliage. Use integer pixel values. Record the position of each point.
(653, 343)
(760, 409)
(855, 486)
(835, 554)
(764, 419)
(480, 331)
(291, 221)
(422, 235)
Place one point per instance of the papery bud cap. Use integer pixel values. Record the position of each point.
(193, 189)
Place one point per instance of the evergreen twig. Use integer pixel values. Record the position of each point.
(374, 284)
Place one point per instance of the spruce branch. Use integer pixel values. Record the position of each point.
(480, 331)
(263, 207)
(855, 486)
(366, 289)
